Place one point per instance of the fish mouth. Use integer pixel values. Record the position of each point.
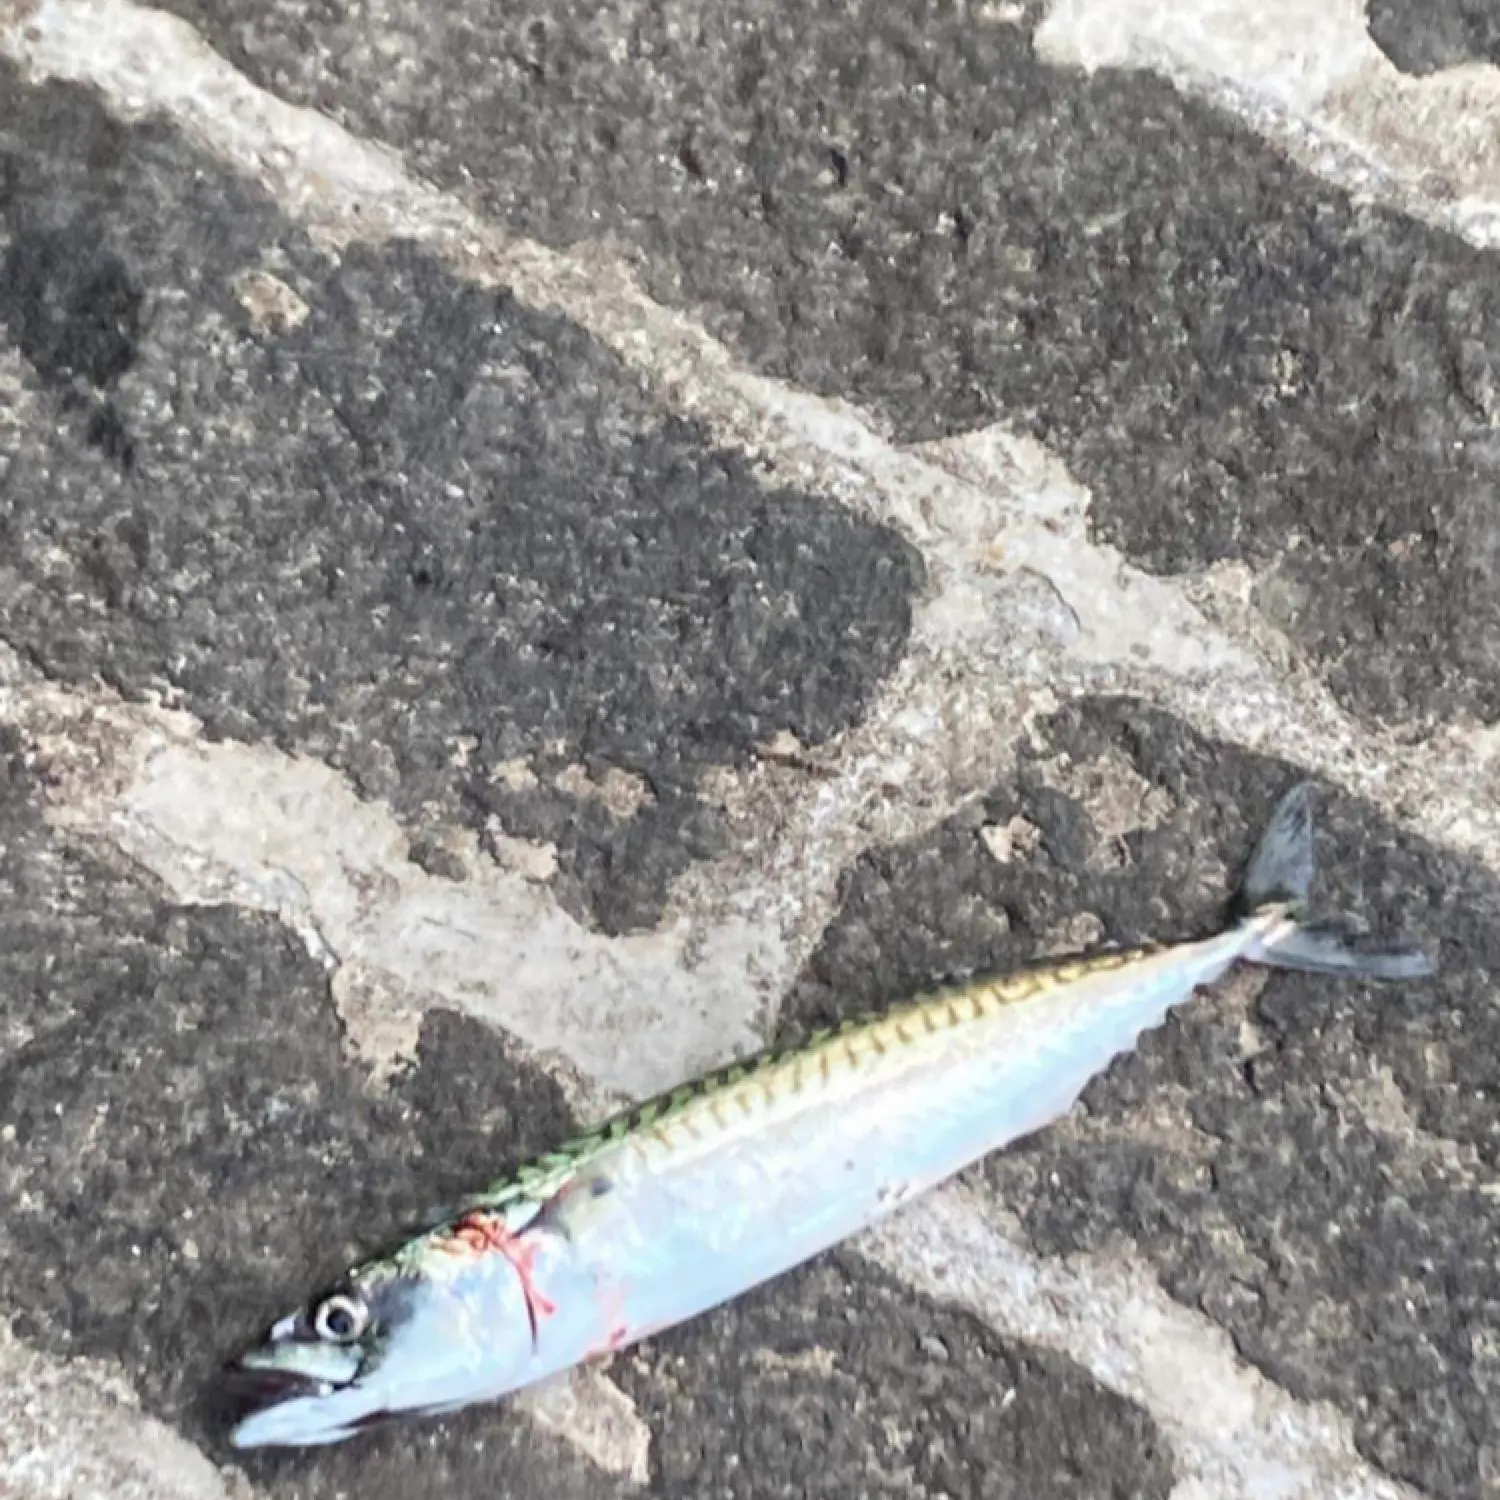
(269, 1405)
(275, 1408)
(257, 1387)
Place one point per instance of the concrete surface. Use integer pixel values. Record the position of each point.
(542, 545)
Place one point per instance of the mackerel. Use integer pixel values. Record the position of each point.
(692, 1198)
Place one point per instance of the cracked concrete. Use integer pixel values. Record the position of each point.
(1024, 609)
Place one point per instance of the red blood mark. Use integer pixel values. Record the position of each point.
(613, 1341)
(484, 1233)
(612, 1312)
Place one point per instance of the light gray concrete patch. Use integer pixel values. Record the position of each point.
(72, 1429)
(292, 837)
(257, 1022)
(588, 1410)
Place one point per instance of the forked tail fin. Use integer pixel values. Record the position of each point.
(1280, 872)
(1280, 877)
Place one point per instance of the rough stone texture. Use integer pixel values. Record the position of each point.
(185, 1146)
(230, 448)
(835, 1382)
(50, 1403)
(1426, 36)
(900, 205)
(1307, 1167)
(409, 526)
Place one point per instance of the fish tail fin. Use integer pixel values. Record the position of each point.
(1334, 948)
(1280, 872)
(1278, 883)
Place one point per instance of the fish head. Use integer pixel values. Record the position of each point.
(409, 1336)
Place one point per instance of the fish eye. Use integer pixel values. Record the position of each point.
(340, 1319)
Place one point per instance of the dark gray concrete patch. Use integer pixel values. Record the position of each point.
(899, 204)
(1426, 36)
(1287, 1195)
(835, 1384)
(423, 534)
(187, 1153)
